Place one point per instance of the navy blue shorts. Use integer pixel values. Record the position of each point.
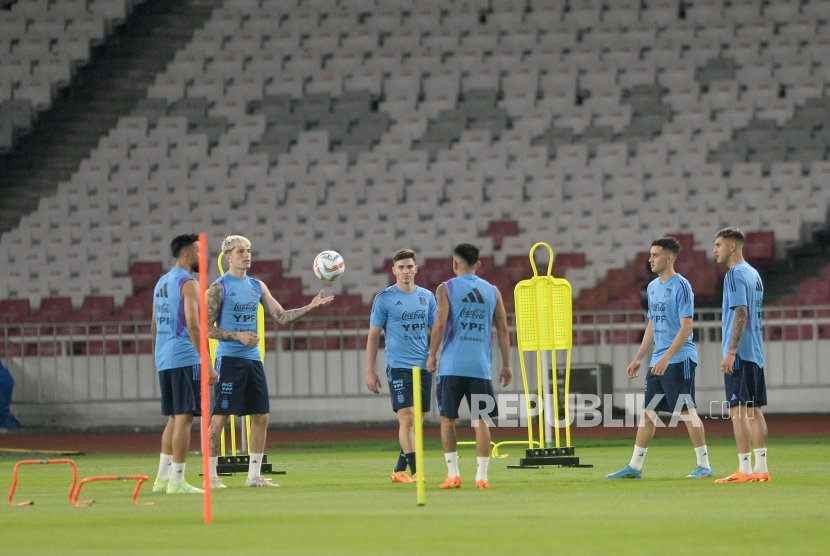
(241, 388)
(452, 389)
(746, 385)
(180, 391)
(400, 388)
(677, 383)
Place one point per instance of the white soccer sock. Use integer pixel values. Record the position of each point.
(254, 466)
(745, 463)
(703, 456)
(481, 472)
(452, 464)
(637, 458)
(164, 467)
(760, 460)
(212, 461)
(177, 473)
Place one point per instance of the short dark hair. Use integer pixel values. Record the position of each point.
(180, 242)
(468, 252)
(733, 234)
(668, 243)
(402, 254)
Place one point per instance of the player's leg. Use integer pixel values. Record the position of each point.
(166, 455)
(685, 407)
(165, 458)
(400, 391)
(258, 407)
(426, 405)
(482, 388)
(181, 444)
(654, 398)
(737, 395)
(451, 396)
(757, 423)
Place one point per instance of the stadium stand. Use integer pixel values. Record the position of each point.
(360, 125)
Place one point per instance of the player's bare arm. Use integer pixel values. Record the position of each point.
(153, 327)
(283, 316)
(738, 326)
(372, 345)
(503, 334)
(439, 327)
(683, 334)
(190, 297)
(648, 340)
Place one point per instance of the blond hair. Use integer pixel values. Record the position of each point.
(232, 242)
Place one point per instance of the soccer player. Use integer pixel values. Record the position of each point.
(176, 331)
(468, 308)
(405, 312)
(743, 357)
(241, 389)
(670, 381)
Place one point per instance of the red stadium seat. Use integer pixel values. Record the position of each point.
(96, 308)
(759, 249)
(136, 308)
(54, 309)
(499, 229)
(15, 310)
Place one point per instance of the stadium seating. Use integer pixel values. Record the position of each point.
(594, 127)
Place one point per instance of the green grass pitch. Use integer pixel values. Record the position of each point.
(337, 499)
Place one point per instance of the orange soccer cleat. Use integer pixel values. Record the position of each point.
(482, 484)
(451, 482)
(401, 477)
(737, 477)
(761, 477)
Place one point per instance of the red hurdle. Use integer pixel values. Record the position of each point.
(139, 478)
(38, 462)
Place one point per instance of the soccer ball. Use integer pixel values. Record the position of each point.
(329, 266)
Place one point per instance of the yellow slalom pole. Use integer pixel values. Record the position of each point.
(233, 436)
(542, 396)
(222, 442)
(554, 378)
(248, 431)
(419, 434)
(568, 395)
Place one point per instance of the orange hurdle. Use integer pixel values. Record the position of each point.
(38, 462)
(139, 478)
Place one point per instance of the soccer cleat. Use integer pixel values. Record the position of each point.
(700, 472)
(481, 483)
(260, 481)
(415, 478)
(183, 488)
(216, 482)
(737, 477)
(451, 482)
(626, 473)
(761, 477)
(160, 486)
(402, 477)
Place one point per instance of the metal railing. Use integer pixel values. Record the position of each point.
(324, 358)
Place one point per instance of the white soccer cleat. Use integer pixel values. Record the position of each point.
(216, 482)
(260, 481)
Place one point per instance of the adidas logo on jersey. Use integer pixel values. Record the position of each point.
(233, 294)
(398, 303)
(474, 297)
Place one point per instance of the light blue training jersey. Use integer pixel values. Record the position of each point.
(240, 302)
(405, 319)
(468, 340)
(174, 347)
(668, 302)
(742, 286)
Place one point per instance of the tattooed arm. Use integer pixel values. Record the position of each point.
(282, 316)
(214, 302)
(738, 327)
